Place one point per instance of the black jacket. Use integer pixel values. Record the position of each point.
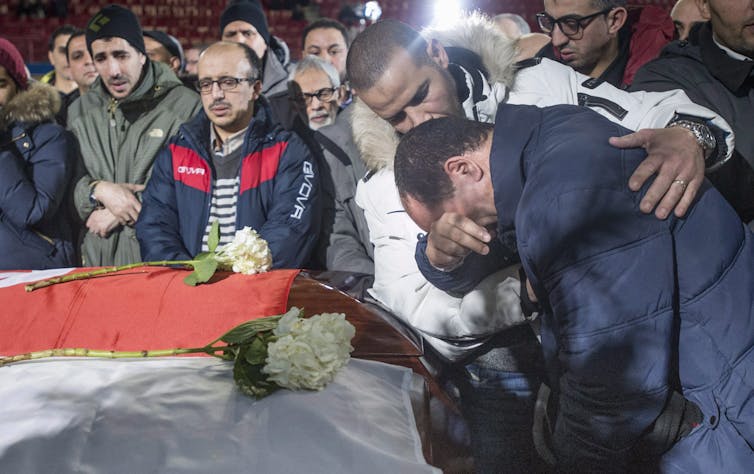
(715, 80)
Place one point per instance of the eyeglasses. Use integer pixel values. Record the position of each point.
(572, 26)
(324, 95)
(224, 83)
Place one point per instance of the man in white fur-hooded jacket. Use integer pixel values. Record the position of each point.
(403, 79)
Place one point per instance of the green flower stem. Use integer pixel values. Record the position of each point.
(104, 354)
(102, 271)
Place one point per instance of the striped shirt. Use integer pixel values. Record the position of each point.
(226, 159)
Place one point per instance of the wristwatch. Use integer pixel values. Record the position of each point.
(702, 134)
(93, 200)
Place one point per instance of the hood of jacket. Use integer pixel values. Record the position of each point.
(377, 140)
(157, 81)
(39, 103)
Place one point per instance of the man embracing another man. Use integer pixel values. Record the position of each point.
(647, 324)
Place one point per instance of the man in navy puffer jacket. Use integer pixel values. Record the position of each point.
(637, 313)
(233, 165)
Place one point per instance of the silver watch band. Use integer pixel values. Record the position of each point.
(702, 134)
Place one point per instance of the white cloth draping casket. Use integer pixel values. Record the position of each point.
(185, 415)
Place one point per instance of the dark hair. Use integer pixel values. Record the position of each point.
(61, 30)
(324, 23)
(371, 51)
(76, 33)
(422, 153)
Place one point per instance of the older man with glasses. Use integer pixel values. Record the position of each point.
(344, 241)
(231, 164)
(602, 38)
(320, 91)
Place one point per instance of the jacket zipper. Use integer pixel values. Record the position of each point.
(111, 110)
(611, 107)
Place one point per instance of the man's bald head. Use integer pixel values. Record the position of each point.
(222, 47)
(684, 14)
(372, 50)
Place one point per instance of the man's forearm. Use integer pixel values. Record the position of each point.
(465, 277)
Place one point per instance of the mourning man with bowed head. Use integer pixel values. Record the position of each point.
(233, 165)
(646, 324)
(403, 78)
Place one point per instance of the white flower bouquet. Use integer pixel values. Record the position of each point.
(248, 253)
(283, 351)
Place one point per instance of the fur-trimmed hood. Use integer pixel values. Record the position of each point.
(39, 103)
(377, 140)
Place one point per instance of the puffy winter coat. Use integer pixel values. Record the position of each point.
(457, 325)
(633, 306)
(37, 160)
(278, 193)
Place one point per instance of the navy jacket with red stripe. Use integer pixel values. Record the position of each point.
(278, 193)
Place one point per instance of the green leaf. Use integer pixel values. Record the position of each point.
(204, 255)
(191, 279)
(257, 351)
(203, 271)
(245, 332)
(214, 236)
(249, 377)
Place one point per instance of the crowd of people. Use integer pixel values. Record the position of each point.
(563, 216)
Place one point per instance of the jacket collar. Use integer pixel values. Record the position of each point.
(274, 74)
(197, 130)
(515, 128)
(732, 73)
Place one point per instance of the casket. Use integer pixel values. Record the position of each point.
(385, 412)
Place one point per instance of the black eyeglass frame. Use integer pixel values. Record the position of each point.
(307, 97)
(228, 87)
(581, 22)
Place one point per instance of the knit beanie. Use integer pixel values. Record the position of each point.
(250, 12)
(169, 42)
(12, 61)
(114, 21)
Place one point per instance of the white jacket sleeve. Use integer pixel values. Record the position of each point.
(454, 326)
(551, 83)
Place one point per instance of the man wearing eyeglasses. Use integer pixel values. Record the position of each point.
(404, 78)
(344, 242)
(602, 38)
(234, 165)
(320, 90)
(121, 123)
